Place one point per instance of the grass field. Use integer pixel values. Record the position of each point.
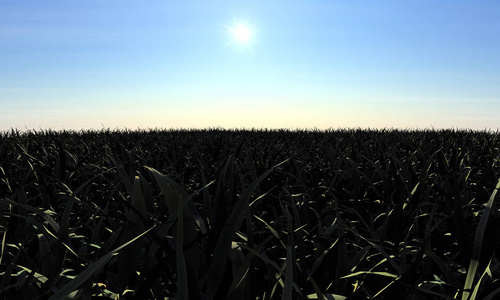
(250, 214)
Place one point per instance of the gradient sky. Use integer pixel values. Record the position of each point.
(85, 64)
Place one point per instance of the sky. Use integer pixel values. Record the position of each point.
(94, 64)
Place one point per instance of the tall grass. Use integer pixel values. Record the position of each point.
(249, 214)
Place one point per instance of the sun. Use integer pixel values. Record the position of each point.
(240, 32)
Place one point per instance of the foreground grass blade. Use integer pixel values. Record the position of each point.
(287, 289)
(478, 283)
(478, 244)
(2, 249)
(223, 246)
(182, 283)
(91, 270)
(327, 297)
(43, 213)
(130, 256)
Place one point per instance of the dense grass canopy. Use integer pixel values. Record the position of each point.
(250, 214)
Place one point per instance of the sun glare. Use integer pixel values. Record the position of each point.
(240, 32)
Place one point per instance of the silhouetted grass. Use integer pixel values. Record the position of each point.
(249, 214)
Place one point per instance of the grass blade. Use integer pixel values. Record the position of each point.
(182, 283)
(287, 289)
(91, 270)
(478, 244)
(223, 246)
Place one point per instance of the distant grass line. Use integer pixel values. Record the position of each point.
(250, 214)
(19, 132)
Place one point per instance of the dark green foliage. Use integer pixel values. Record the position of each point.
(249, 214)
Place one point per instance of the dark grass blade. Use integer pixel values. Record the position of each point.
(182, 277)
(288, 288)
(223, 246)
(92, 269)
(478, 244)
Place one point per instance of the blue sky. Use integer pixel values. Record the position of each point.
(324, 64)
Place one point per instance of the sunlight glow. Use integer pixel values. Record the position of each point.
(240, 32)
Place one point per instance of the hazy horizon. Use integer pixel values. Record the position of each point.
(283, 64)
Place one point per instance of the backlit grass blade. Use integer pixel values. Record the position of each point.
(318, 294)
(327, 297)
(242, 269)
(91, 270)
(384, 274)
(241, 275)
(37, 276)
(264, 258)
(45, 231)
(478, 244)
(272, 230)
(450, 277)
(2, 249)
(43, 213)
(138, 203)
(382, 251)
(478, 283)
(7, 273)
